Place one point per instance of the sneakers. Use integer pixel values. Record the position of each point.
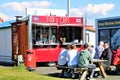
(66, 74)
(92, 79)
(73, 76)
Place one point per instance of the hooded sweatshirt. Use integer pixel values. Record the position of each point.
(84, 58)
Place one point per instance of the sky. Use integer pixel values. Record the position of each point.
(91, 9)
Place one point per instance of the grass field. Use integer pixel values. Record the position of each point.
(20, 73)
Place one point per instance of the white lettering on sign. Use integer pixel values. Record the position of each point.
(78, 20)
(29, 59)
(50, 19)
(36, 18)
(64, 20)
(59, 20)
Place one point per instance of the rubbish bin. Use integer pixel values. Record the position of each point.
(30, 61)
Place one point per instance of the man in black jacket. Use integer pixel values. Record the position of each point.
(107, 55)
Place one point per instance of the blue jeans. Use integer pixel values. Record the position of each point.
(72, 71)
(92, 68)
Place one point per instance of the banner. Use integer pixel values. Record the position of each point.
(56, 19)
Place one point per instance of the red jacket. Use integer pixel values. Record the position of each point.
(116, 57)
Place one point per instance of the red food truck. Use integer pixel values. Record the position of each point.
(46, 36)
(51, 33)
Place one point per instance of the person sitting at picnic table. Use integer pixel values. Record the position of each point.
(98, 50)
(116, 59)
(62, 59)
(92, 51)
(106, 55)
(116, 56)
(85, 59)
(72, 59)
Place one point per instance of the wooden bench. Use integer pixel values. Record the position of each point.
(112, 67)
(81, 71)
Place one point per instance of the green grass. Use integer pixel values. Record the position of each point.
(20, 73)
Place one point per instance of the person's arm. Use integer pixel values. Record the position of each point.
(90, 59)
(67, 56)
(118, 53)
(109, 54)
(103, 55)
(114, 51)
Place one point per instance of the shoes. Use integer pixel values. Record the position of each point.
(66, 74)
(97, 74)
(73, 76)
(61, 75)
(90, 78)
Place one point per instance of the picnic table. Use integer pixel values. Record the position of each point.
(100, 66)
(80, 71)
(83, 71)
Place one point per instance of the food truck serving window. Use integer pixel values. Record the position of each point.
(44, 34)
(50, 30)
(70, 34)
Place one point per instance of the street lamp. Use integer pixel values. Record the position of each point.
(84, 29)
(68, 7)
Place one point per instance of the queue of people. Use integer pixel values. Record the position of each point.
(72, 58)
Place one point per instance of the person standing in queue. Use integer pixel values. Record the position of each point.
(85, 60)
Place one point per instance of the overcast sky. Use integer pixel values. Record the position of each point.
(93, 9)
